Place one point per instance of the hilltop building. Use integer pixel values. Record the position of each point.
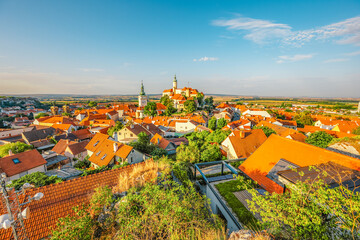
(180, 95)
(142, 97)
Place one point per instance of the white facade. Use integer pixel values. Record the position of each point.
(184, 127)
(264, 114)
(41, 168)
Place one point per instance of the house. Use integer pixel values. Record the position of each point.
(37, 134)
(280, 130)
(263, 114)
(163, 143)
(18, 165)
(60, 199)
(185, 126)
(83, 134)
(130, 133)
(64, 127)
(104, 152)
(280, 154)
(240, 124)
(241, 144)
(71, 149)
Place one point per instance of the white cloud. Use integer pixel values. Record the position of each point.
(205, 59)
(259, 30)
(262, 31)
(295, 58)
(334, 60)
(91, 70)
(352, 53)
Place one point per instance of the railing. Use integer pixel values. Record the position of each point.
(223, 163)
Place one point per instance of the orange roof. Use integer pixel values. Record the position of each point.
(57, 119)
(244, 147)
(275, 148)
(63, 127)
(223, 105)
(60, 147)
(60, 199)
(281, 131)
(26, 160)
(99, 137)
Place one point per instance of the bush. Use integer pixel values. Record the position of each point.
(17, 147)
(83, 164)
(319, 139)
(38, 179)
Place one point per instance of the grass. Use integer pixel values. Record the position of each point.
(227, 190)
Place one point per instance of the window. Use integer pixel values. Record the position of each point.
(131, 135)
(98, 153)
(104, 156)
(16, 160)
(96, 143)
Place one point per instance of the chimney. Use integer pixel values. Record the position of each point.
(115, 147)
(147, 126)
(242, 134)
(158, 141)
(10, 152)
(132, 126)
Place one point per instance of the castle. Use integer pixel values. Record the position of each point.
(180, 95)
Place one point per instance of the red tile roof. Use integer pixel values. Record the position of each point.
(28, 160)
(59, 200)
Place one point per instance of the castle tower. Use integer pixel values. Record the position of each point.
(54, 110)
(174, 84)
(66, 108)
(142, 97)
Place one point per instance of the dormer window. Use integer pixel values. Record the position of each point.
(96, 143)
(98, 153)
(104, 156)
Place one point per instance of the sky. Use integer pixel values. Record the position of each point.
(297, 48)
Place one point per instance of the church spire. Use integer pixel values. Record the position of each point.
(175, 78)
(142, 92)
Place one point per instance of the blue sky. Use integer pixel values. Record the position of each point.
(266, 48)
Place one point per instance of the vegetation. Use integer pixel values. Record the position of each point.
(83, 164)
(38, 179)
(212, 123)
(268, 131)
(143, 145)
(190, 106)
(17, 147)
(153, 208)
(311, 210)
(303, 118)
(40, 115)
(221, 123)
(200, 98)
(319, 139)
(150, 109)
(356, 131)
(203, 147)
(92, 104)
(227, 190)
(118, 126)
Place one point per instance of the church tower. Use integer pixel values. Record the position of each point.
(174, 84)
(142, 97)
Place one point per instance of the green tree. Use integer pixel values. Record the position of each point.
(190, 106)
(212, 123)
(66, 114)
(319, 139)
(92, 104)
(211, 153)
(38, 179)
(221, 123)
(84, 164)
(17, 147)
(41, 115)
(200, 98)
(189, 153)
(150, 109)
(356, 131)
(303, 118)
(165, 100)
(311, 210)
(268, 131)
(118, 126)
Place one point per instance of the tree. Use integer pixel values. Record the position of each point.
(319, 139)
(190, 106)
(189, 153)
(41, 115)
(310, 210)
(200, 98)
(38, 179)
(212, 123)
(143, 138)
(267, 131)
(17, 147)
(92, 104)
(303, 118)
(356, 131)
(165, 100)
(84, 164)
(221, 123)
(150, 109)
(118, 126)
(66, 114)
(211, 153)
